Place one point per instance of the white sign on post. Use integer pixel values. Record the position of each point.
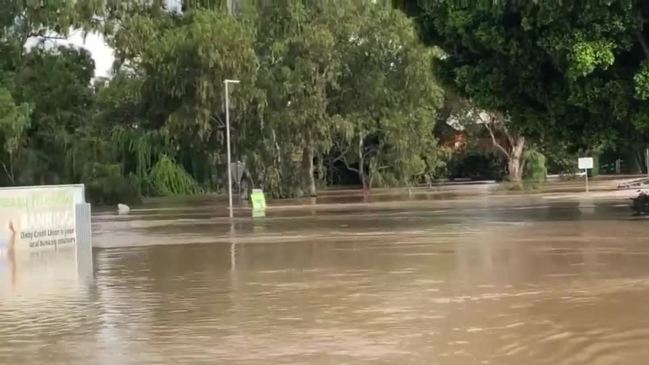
(585, 163)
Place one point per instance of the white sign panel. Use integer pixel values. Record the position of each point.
(585, 163)
(38, 217)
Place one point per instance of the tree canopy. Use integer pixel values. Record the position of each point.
(563, 71)
(385, 130)
(317, 79)
(329, 90)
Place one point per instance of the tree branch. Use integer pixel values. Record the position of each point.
(505, 131)
(352, 169)
(369, 150)
(218, 120)
(43, 34)
(343, 158)
(342, 155)
(495, 142)
(9, 174)
(44, 37)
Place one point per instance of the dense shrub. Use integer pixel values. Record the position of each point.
(168, 178)
(105, 185)
(535, 169)
(477, 166)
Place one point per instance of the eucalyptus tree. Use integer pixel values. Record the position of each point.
(387, 101)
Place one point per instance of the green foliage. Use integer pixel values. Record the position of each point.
(167, 179)
(14, 121)
(641, 80)
(585, 57)
(105, 185)
(385, 132)
(563, 71)
(298, 48)
(535, 169)
(559, 159)
(322, 82)
(318, 79)
(167, 96)
(138, 151)
(55, 82)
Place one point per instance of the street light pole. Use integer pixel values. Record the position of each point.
(227, 137)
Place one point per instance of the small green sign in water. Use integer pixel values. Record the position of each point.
(258, 203)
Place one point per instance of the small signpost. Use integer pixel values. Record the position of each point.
(585, 163)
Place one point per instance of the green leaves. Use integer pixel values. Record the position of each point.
(387, 100)
(641, 80)
(569, 71)
(168, 179)
(584, 57)
(317, 78)
(14, 121)
(49, 88)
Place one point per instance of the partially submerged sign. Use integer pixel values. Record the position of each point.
(258, 203)
(39, 217)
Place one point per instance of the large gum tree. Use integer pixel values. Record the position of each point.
(564, 72)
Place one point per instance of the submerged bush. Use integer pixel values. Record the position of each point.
(105, 185)
(168, 178)
(477, 166)
(640, 204)
(535, 170)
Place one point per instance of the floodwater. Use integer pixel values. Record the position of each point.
(414, 279)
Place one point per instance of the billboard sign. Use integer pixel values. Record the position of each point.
(38, 217)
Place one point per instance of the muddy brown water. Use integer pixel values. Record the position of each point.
(412, 279)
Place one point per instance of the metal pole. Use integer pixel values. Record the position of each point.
(646, 159)
(586, 171)
(227, 137)
(227, 134)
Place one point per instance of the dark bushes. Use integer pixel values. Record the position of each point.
(105, 185)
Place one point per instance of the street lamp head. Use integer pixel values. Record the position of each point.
(231, 81)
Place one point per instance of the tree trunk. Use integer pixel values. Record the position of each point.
(307, 166)
(513, 150)
(515, 173)
(361, 165)
(361, 174)
(516, 163)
